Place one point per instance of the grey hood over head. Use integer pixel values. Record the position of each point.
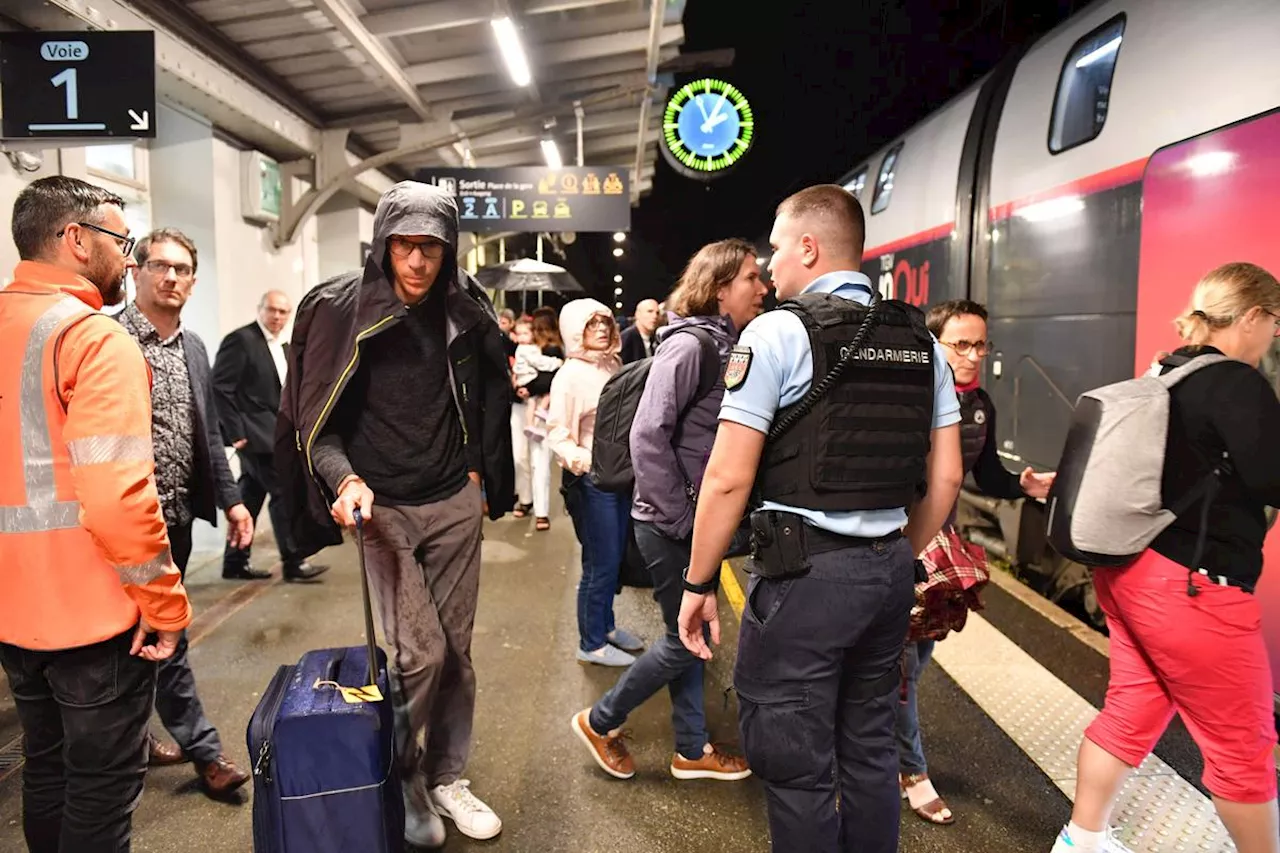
(412, 209)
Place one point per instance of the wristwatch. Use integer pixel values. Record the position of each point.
(698, 588)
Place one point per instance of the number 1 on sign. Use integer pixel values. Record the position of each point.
(73, 100)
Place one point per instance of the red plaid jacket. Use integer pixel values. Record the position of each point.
(957, 572)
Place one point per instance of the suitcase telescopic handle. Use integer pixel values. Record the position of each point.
(369, 635)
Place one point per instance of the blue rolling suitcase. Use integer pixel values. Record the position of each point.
(325, 776)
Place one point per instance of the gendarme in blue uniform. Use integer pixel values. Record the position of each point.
(781, 373)
(818, 654)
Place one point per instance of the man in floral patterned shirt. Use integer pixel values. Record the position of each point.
(192, 477)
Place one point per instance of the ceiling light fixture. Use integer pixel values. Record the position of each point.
(551, 153)
(512, 51)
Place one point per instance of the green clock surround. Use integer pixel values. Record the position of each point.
(707, 128)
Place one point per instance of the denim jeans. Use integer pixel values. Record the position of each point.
(84, 716)
(910, 750)
(600, 523)
(817, 677)
(177, 702)
(666, 662)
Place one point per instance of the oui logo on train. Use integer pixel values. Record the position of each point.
(902, 280)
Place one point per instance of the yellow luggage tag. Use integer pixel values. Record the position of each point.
(354, 695)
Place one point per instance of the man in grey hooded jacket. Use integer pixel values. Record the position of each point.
(396, 405)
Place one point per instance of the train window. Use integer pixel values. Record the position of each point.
(884, 183)
(1084, 87)
(859, 181)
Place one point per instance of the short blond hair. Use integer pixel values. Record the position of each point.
(1223, 296)
(838, 212)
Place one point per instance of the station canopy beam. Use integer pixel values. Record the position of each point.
(331, 174)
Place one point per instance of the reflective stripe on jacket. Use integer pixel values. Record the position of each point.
(83, 546)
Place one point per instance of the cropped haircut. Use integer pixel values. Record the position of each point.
(713, 266)
(939, 314)
(836, 209)
(1224, 295)
(142, 251)
(46, 206)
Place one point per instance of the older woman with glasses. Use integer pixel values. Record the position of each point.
(592, 344)
(961, 327)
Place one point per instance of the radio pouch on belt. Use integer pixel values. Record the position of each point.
(778, 545)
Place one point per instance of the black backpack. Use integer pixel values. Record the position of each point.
(611, 469)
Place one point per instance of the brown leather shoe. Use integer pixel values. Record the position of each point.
(164, 754)
(715, 763)
(220, 777)
(609, 750)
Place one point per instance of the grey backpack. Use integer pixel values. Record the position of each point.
(1106, 505)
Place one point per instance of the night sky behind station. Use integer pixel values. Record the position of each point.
(829, 83)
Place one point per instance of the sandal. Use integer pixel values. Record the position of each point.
(521, 510)
(542, 523)
(935, 811)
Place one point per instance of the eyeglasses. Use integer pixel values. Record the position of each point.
(599, 323)
(979, 348)
(183, 271)
(124, 241)
(402, 248)
(1276, 320)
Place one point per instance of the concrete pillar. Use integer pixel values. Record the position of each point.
(339, 235)
(182, 196)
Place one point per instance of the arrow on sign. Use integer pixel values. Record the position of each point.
(140, 122)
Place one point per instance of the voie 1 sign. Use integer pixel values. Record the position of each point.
(537, 198)
(76, 84)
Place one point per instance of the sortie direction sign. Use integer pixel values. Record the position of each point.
(78, 84)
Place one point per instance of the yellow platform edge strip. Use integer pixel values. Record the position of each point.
(732, 591)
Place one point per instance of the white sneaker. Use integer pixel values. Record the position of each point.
(422, 824)
(607, 655)
(1110, 844)
(473, 818)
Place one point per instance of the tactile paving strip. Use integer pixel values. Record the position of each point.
(10, 757)
(1158, 811)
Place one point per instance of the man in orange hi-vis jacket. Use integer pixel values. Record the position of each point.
(91, 599)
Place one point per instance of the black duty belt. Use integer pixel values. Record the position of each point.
(821, 541)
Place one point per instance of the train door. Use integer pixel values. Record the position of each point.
(1206, 201)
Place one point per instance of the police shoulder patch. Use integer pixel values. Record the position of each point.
(735, 373)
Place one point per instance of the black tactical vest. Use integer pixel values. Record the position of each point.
(975, 414)
(863, 445)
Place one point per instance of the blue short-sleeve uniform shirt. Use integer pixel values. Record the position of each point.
(780, 374)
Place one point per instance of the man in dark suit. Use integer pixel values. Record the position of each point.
(247, 376)
(637, 339)
(192, 478)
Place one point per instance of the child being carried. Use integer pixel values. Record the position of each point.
(529, 362)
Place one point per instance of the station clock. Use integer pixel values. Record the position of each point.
(707, 128)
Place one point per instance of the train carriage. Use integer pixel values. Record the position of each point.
(1080, 189)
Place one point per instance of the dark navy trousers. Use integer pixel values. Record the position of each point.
(817, 698)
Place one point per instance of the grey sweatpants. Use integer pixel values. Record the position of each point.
(424, 568)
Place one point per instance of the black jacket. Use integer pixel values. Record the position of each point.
(633, 345)
(333, 320)
(214, 487)
(247, 389)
